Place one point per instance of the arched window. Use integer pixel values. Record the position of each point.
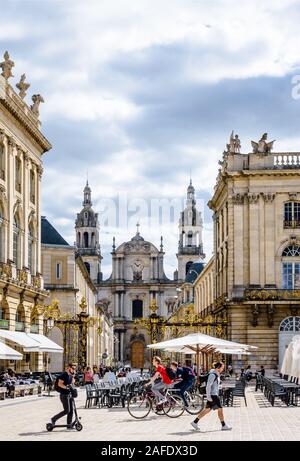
(93, 240)
(16, 242)
(32, 186)
(187, 267)
(292, 214)
(137, 308)
(30, 248)
(86, 239)
(20, 319)
(88, 267)
(2, 162)
(190, 239)
(290, 324)
(291, 267)
(78, 239)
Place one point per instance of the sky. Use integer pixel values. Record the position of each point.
(140, 95)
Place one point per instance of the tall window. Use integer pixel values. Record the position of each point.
(32, 186)
(187, 267)
(58, 270)
(86, 240)
(88, 267)
(292, 214)
(2, 162)
(18, 174)
(30, 248)
(190, 239)
(16, 242)
(291, 267)
(1, 236)
(137, 308)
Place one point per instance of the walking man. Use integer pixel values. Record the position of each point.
(213, 400)
(64, 381)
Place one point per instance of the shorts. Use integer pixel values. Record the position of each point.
(214, 404)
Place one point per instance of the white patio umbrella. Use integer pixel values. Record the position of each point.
(199, 342)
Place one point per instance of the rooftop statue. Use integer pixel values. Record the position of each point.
(22, 86)
(37, 99)
(234, 146)
(262, 146)
(6, 66)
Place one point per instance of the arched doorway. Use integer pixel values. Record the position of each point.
(289, 327)
(137, 354)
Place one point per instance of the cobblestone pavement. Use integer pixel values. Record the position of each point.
(25, 419)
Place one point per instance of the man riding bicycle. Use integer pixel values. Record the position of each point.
(187, 379)
(165, 382)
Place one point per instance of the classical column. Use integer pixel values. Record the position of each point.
(238, 222)
(10, 194)
(122, 346)
(38, 179)
(254, 239)
(26, 172)
(269, 239)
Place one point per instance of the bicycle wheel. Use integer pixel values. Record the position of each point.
(196, 403)
(174, 407)
(139, 406)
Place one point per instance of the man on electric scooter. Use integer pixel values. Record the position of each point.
(63, 387)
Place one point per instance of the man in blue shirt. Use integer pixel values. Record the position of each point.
(186, 375)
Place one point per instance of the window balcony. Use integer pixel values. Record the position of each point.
(4, 324)
(20, 326)
(291, 224)
(34, 328)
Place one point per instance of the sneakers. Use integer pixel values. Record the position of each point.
(195, 426)
(226, 428)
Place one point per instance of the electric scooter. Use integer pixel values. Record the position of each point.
(76, 423)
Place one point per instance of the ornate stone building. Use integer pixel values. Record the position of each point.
(72, 291)
(256, 205)
(137, 276)
(22, 145)
(190, 247)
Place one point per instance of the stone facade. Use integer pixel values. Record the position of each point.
(256, 205)
(69, 283)
(22, 145)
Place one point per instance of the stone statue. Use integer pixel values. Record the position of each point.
(262, 146)
(22, 86)
(6, 66)
(37, 99)
(234, 146)
(137, 269)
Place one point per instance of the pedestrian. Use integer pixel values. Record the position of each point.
(63, 387)
(248, 373)
(186, 375)
(262, 370)
(166, 380)
(213, 400)
(230, 370)
(88, 376)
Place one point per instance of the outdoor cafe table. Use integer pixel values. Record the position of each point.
(225, 389)
(289, 387)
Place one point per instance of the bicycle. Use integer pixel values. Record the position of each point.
(140, 405)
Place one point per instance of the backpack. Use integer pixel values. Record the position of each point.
(171, 374)
(204, 378)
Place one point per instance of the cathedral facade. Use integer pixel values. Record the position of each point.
(138, 277)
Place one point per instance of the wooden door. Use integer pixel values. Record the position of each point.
(137, 355)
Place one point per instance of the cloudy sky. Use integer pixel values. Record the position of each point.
(138, 93)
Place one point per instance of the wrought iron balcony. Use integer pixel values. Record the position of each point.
(291, 224)
(271, 294)
(34, 328)
(4, 324)
(20, 326)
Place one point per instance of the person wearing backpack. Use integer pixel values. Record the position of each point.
(186, 375)
(62, 385)
(213, 400)
(167, 377)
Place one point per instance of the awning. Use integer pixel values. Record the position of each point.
(7, 353)
(22, 339)
(46, 344)
(31, 342)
